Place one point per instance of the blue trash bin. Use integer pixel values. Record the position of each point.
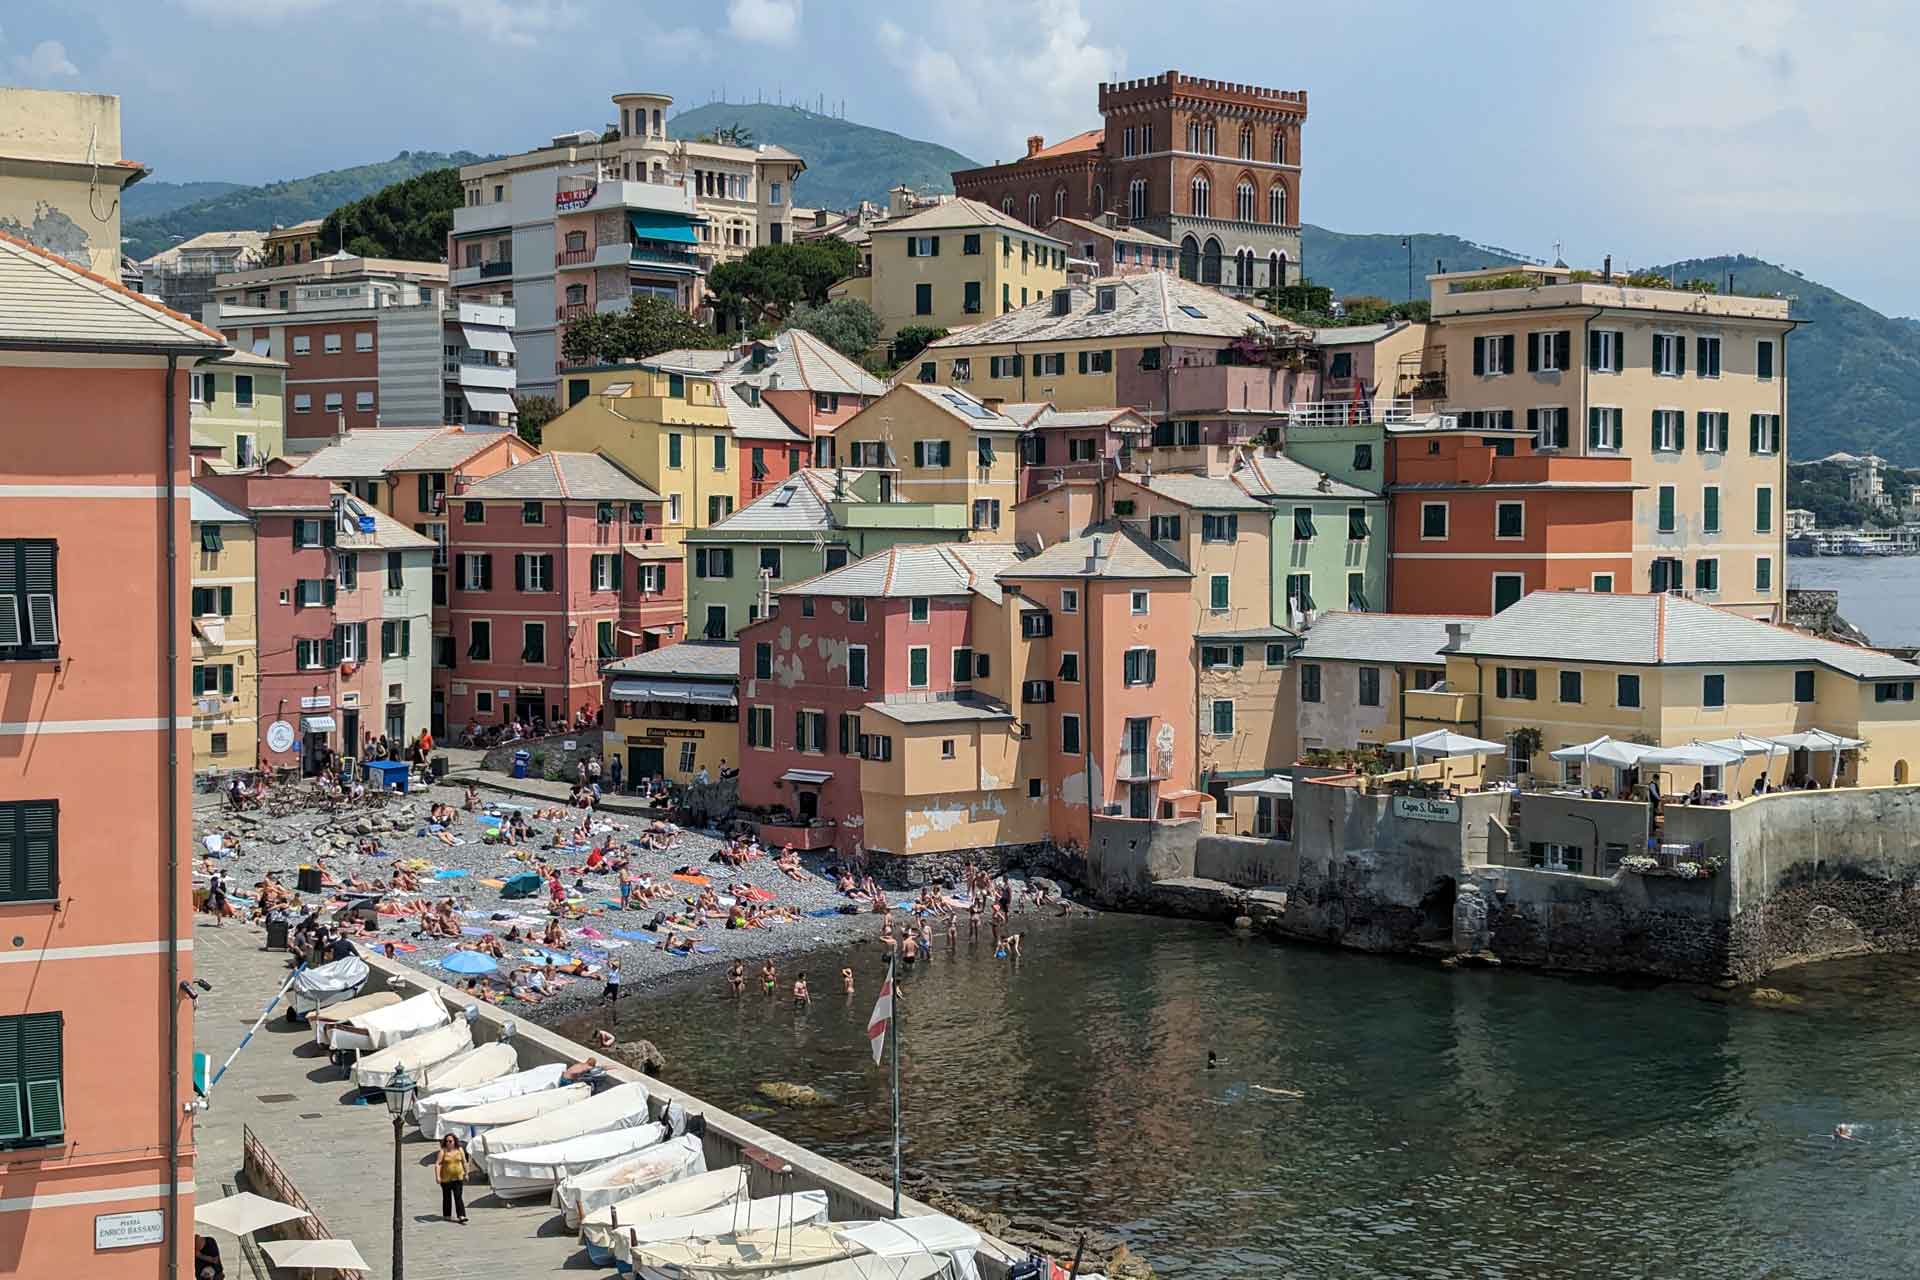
(521, 760)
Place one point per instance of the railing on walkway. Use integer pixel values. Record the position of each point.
(264, 1177)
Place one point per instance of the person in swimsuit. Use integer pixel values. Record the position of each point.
(737, 977)
(800, 995)
(909, 949)
(769, 978)
(846, 980)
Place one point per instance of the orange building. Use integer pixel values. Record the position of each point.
(1481, 518)
(96, 1150)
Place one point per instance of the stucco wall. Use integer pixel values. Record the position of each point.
(1127, 856)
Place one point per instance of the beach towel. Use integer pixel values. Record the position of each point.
(450, 873)
(692, 879)
(636, 935)
(491, 883)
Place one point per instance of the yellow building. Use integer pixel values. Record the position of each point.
(225, 640)
(1563, 667)
(1691, 386)
(664, 421)
(241, 403)
(675, 711)
(61, 174)
(955, 264)
(946, 445)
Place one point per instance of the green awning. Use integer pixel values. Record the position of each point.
(648, 225)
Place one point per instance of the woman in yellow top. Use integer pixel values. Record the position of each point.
(451, 1170)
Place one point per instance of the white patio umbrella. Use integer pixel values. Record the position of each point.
(1821, 740)
(1696, 754)
(1445, 742)
(1616, 753)
(315, 1255)
(1748, 746)
(1274, 786)
(243, 1214)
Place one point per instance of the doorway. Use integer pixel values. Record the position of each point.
(527, 706)
(396, 722)
(807, 804)
(1140, 800)
(645, 762)
(350, 733)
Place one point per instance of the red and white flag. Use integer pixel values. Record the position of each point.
(882, 1016)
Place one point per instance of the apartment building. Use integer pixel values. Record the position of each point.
(1330, 539)
(62, 172)
(1111, 248)
(955, 264)
(528, 642)
(1209, 166)
(383, 625)
(1058, 445)
(791, 388)
(1690, 387)
(239, 404)
(95, 1038)
(292, 245)
(1352, 672)
(184, 275)
(947, 446)
(675, 711)
(224, 617)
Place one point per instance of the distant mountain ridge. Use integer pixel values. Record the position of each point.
(284, 203)
(846, 162)
(151, 198)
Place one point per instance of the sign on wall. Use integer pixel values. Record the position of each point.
(578, 198)
(322, 702)
(279, 736)
(1426, 809)
(126, 1230)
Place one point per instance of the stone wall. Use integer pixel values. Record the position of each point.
(1126, 856)
(552, 751)
(1247, 862)
(1624, 923)
(913, 870)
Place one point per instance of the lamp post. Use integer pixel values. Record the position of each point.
(399, 1090)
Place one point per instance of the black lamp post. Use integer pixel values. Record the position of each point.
(399, 1090)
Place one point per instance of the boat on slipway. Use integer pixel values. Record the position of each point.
(419, 1055)
(469, 1123)
(607, 1243)
(381, 1027)
(429, 1108)
(672, 1199)
(324, 1020)
(619, 1180)
(326, 984)
(621, 1107)
(525, 1172)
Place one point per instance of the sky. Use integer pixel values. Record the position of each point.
(1646, 129)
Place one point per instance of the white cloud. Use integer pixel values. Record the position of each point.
(993, 93)
(48, 61)
(510, 22)
(764, 21)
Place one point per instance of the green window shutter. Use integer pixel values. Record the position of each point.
(1666, 509)
(226, 679)
(1506, 353)
(1656, 431)
(1593, 348)
(1711, 513)
(40, 1073)
(226, 602)
(1479, 356)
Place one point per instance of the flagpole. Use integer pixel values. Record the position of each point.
(891, 981)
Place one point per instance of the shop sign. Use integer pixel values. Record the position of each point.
(1426, 809)
(279, 736)
(323, 702)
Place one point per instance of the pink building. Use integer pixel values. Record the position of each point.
(1077, 445)
(382, 632)
(539, 552)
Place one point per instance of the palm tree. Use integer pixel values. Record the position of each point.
(735, 135)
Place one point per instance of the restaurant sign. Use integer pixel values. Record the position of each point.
(578, 198)
(654, 735)
(1426, 809)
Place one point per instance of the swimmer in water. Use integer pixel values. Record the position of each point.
(1212, 1060)
(1844, 1133)
(846, 980)
(800, 995)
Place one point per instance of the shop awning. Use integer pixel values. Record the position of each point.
(814, 776)
(487, 339)
(702, 693)
(316, 724)
(489, 401)
(648, 225)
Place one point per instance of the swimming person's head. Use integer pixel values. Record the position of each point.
(1212, 1060)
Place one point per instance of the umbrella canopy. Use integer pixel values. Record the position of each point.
(1818, 740)
(1274, 786)
(1698, 754)
(469, 962)
(1748, 745)
(1617, 752)
(315, 1255)
(244, 1213)
(1445, 742)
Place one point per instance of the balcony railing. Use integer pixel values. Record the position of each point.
(665, 257)
(573, 257)
(488, 270)
(570, 310)
(1343, 413)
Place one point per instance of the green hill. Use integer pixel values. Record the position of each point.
(296, 200)
(1377, 265)
(846, 162)
(150, 199)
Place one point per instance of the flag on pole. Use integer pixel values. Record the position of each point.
(882, 1016)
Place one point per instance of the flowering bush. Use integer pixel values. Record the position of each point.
(1639, 863)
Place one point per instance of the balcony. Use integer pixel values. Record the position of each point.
(573, 257)
(1531, 288)
(1137, 766)
(1199, 389)
(1348, 413)
(674, 259)
(494, 270)
(570, 310)
(1442, 708)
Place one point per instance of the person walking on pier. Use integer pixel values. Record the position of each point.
(450, 1168)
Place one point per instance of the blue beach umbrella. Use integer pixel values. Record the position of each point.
(469, 962)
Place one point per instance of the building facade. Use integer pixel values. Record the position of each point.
(383, 628)
(224, 609)
(674, 712)
(61, 174)
(239, 403)
(1109, 248)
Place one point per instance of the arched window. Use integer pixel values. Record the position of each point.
(1006, 205)
(1213, 139)
(1033, 209)
(1210, 262)
(1246, 142)
(1282, 278)
(1194, 135)
(1137, 199)
(1189, 259)
(1099, 199)
(1277, 205)
(1243, 201)
(1202, 203)
(1276, 273)
(1279, 146)
(1059, 202)
(1243, 268)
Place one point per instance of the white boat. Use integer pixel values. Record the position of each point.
(616, 1244)
(326, 984)
(325, 1020)
(676, 1199)
(469, 1123)
(419, 1054)
(428, 1109)
(887, 1249)
(395, 1022)
(477, 1066)
(621, 1107)
(675, 1160)
(535, 1171)
(759, 1254)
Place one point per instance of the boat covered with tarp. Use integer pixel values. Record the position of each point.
(468, 1123)
(535, 1171)
(609, 1243)
(419, 1054)
(429, 1107)
(324, 1020)
(379, 1028)
(621, 1107)
(477, 1066)
(326, 984)
(678, 1198)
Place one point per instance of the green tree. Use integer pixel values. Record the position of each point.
(646, 328)
(774, 278)
(535, 413)
(408, 220)
(911, 339)
(848, 325)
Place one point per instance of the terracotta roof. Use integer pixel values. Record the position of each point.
(957, 214)
(50, 299)
(563, 477)
(1079, 142)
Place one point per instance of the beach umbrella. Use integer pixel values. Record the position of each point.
(315, 1255)
(1821, 740)
(1274, 786)
(1696, 754)
(241, 1214)
(471, 963)
(1445, 742)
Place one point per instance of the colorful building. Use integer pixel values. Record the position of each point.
(538, 557)
(223, 614)
(240, 404)
(1058, 445)
(1352, 672)
(96, 1040)
(675, 711)
(1111, 248)
(383, 629)
(800, 387)
(1330, 539)
(948, 447)
(61, 174)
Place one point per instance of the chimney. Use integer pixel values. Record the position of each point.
(773, 381)
(1034, 143)
(1606, 270)
(1457, 633)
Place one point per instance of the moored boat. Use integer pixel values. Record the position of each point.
(469, 1123)
(428, 1109)
(535, 1171)
(621, 1107)
(419, 1054)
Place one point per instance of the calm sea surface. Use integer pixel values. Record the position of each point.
(1473, 1124)
(1878, 594)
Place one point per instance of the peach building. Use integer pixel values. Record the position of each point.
(95, 1044)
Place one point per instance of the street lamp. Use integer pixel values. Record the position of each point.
(399, 1090)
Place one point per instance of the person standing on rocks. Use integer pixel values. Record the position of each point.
(613, 773)
(612, 993)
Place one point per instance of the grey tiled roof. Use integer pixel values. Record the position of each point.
(942, 710)
(49, 299)
(691, 360)
(959, 214)
(365, 452)
(940, 569)
(586, 477)
(1204, 493)
(699, 659)
(1143, 304)
(796, 506)
(1647, 630)
(1123, 554)
(1349, 334)
(1408, 639)
(963, 405)
(447, 449)
(749, 421)
(1278, 476)
(1082, 419)
(388, 534)
(205, 508)
(804, 362)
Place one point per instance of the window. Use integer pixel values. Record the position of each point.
(480, 640)
(719, 507)
(1549, 427)
(347, 570)
(857, 609)
(332, 402)
(1035, 623)
(1227, 528)
(1163, 528)
(1604, 350)
(1763, 360)
(1892, 691)
(1363, 457)
(1570, 686)
(211, 602)
(208, 680)
(760, 727)
(1356, 592)
(1605, 429)
(1369, 686)
(1602, 584)
(986, 513)
(923, 299)
(1710, 509)
(1309, 682)
(917, 667)
(1713, 691)
(1300, 591)
(29, 623)
(1711, 432)
(1137, 667)
(713, 562)
(1069, 672)
(533, 572)
(1669, 430)
(1137, 200)
(604, 572)
(1277, 212)
(1276, 654)
(1243, 202)
(474, 572)
(1706, 574)
(1200, 198)
(1665, 574)
(1803, 686)
(302, 344)
(332, 344)
(1669, 355)
(716, 624)
(363, 341)
(1070, 600)
(810, 732)
(1763, 509)
(857, 665)
(1507, 590)
(1706, 357)
(962, 665)
(32, 1080)
(1433, 520)
(1763, 433)
(1520, 683)
(1137, 603)
(303, 403)
(1070, 735)
(1510, 520)
(932, 453)
(1303, 529)
(1493, 355)
(1626, 691)
(1763, 574)
(1100, 361)
(1223, 717)
(1218, 592)
(1549, 350)
(310, 592)
(917, 609)
(30, 851)
(363, 401)
(673, 449)
(532, 513)
(1036, 691)
(1668, 518)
